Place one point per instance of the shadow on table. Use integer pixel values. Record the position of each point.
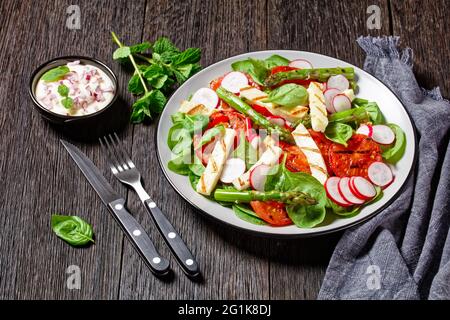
(301, 251)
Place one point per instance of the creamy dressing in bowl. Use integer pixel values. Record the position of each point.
(89, 90)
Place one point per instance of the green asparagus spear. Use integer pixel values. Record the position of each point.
(289, 197)
(321, 75)
(356, 114)
(236, 103)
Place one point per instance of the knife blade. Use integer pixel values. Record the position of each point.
(116, 205)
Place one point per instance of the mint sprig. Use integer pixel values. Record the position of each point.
(157, 74)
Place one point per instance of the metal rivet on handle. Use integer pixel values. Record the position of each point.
(189, 262)
(152, 205)
(137, 233)
(156, 260)
(172, 235)
(118, 206)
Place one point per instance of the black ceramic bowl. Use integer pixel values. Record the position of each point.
(86, 127)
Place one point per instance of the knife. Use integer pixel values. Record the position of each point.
(116, 205)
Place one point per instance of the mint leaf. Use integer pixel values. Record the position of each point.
(188, 56)
(140, 48)
(121, 53)
(135, 85)
(63, 90)
(55, 74)
(67, 102)
(164, 45)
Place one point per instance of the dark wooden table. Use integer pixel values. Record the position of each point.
(38, 178)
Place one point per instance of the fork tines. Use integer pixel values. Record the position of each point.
(118, 158)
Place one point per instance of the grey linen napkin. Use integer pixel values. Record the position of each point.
(403, 252)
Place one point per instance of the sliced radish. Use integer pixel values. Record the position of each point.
(365, 129)
(234, 167)
(256, 142)
(383, 134)
(346, 193)
(258, 177)
(380, 174)
(234, 81)
(362, 188)
(277, 121)
(339, 82)
(331, 186)
(329, 94)
(206, 97)
(341, 102)
(300, 64)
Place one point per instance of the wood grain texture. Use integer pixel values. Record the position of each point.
(424, 26)
(39, 178)
(229, 270)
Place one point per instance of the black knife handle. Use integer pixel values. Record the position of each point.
(139, 238)
(184, 257)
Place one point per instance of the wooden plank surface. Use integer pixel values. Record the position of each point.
(39, 178)
(424, 26)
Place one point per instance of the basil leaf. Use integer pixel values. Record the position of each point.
(339, 132)
(396, 152)
(121, 53)
(67, 102)
(244, 213)
(288, 95)
(374, 112)
(72, 229)
(210, 134)
(55, 74)
(306, 216)
(63, 90)
(275, 61)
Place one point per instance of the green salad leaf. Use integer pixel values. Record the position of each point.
(354, 210)
(374, 112)
(162, 69)
(395, 152)
(284, 180)
(259, 69)
(288, 95)
(72, 229)
(339, 132)
(55, 74)
(245, 213)
(210, 134)
(245, 151)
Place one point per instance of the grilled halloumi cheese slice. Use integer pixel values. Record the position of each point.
(317, 107)
(269, 157)
(306, 143)
(216, 162)
(290, 114)
(192, 108)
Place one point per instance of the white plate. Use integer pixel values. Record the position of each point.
(369, 88)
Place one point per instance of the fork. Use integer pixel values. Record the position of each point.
(126, 172)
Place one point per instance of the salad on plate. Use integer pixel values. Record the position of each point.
(281, 142)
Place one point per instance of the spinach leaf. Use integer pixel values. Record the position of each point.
(353, 211)
(257, 69)
(395, 152)
(288, 95)
(55, 74)
(193, 123)
(193, 179)
(374, 112)
(180, 162)
(280, 178)
(275, 61)
(197, 168)
(246, 214)
(339, 132)
(72, 229)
